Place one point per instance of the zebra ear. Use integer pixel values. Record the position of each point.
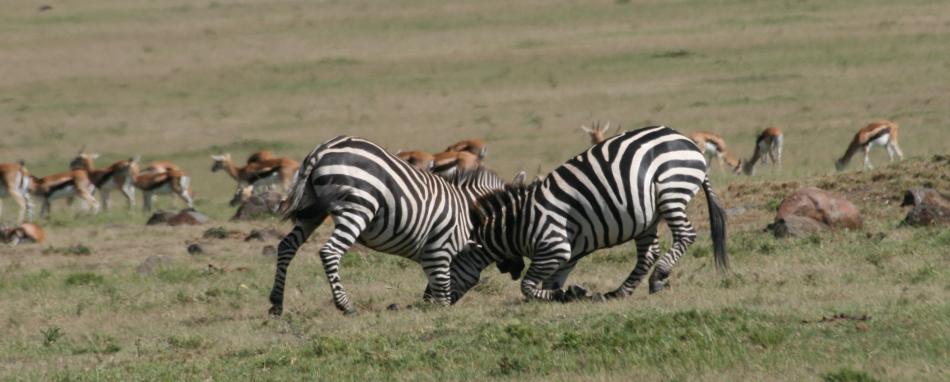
(585, 129)
(519, 178)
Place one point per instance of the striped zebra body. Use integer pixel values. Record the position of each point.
(614, 192)
(380, 201)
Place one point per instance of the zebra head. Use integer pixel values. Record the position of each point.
(497, 221)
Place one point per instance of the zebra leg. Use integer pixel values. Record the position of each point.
(648, 247)
(683, 236)
(466, 270)
(436, 266)
(285, 253)
(543, 266)
(559, 279)
(349, 226)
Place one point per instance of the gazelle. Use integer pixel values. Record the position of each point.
(713, 145)
(474, 146)
(445, 164)
(169, 182)
(881, 133)
(260, 173)
(596, 132)
(106, 179)
(418, 159)
(768, 146)
(15, 182)
(64, 185)
(24, 233)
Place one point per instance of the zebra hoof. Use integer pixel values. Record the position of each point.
(614, 295)
(574, 293)
(276, 310)
(656, 287)
(349, 311)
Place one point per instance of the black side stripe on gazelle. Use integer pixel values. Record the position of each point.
(614, 192)
(380, 201)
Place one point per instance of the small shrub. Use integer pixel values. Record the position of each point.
(216, 233)
(678, 53)
(51, 335)
(922, 274)
(76, 249)
(510, 366)
(98, 345)
(84, 278)
(847, 375)
(320, 346)
(768, 337)
(186, 342)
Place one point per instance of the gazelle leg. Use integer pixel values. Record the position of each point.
(286, 251)
(897, 150)
(648, 247)
(105, 198)
(867, 157)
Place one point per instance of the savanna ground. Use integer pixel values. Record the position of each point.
(181, 80)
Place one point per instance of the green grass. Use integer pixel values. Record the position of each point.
(180, 81)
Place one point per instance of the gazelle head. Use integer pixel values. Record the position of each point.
(596, 132)
(840, 164)
(220, 162)
(83, 160)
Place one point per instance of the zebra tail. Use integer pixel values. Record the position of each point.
(300, 196)
(717, 224)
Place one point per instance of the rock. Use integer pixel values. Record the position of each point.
(259, 205)
(195, 249)
(797, 226)
(929, 207)
(735, 211)
(188, 217)
(825, 210)
(152, 263)
(220, 233)
(160, 217)
(393, 307)
(269, 250)
(184, 217)
(264, 235)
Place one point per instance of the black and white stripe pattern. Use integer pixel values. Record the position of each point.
(614, 192)
(380, 201)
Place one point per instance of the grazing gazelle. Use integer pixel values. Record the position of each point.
(418, 159)
(881, 133)
(474, 146)
(712, 144)
(24, 233)
(768, 146)
(260, 173)
(64, 185)
(169, 182)
(15, 182)
(106, 179)
(596, 132)
(446, 164)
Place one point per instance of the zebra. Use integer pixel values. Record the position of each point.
(380, 201)
(613, 192)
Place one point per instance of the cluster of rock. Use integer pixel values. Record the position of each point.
(811, 210)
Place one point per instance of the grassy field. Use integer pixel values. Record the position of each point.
(181, 80)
